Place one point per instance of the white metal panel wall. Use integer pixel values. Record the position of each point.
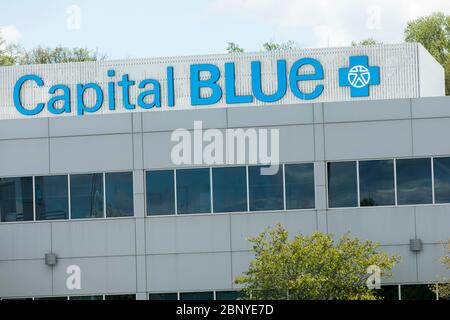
(431, 75)
(398, 63)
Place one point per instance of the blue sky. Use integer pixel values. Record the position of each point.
(138, 28)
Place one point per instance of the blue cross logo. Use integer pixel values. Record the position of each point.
(359, 76)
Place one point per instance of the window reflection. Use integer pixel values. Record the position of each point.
(86, 196)
(376, 183)
(193, 191)
(266, 191)
(119, 194)
(442, 180)
(230, 189)
(51, 194)
(414, 181)
(16, 199)
(342, 184)
(299, 179)
(160, 192)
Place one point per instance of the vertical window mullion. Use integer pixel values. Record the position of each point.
(357, 185)
(284, 185)
(34, 200)
(104, 194)
(211, 191)
(69, 197)
(248, 189)
(395, 181)
(432, 180)
(175, 190)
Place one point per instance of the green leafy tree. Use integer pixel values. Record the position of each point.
(44, 55)
(6, 59)
(273, 46)
(366, 42)
(444, 288)
(311, 267)
(433, 32)
(233, 47)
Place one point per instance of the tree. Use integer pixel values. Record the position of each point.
(433, 32)
(273, 46)
(44, 55)
(311, 267)
(366, 42)
(444, 288)
(234, 48)
(6, 59)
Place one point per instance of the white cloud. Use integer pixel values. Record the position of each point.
(333, 22)
(10, 34)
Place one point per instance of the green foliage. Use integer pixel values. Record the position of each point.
(273, 46)
(444, 288)
(234, 48)
(366, 42)
(311, 267)
(41, 55)
(433, 32)
(6, 59)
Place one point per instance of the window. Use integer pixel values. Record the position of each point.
(197, 296)
(376, 183)
(86, 196)
(86, 298)
(193, 191)
(228, 295)
(120, 297)
(163, 296)
(266, 191)
(441, 180)
(299, 179)
(342, 185)
(51, 198)
(388, 292)
(119, 194)
(230, 189)
(160, 192)
(16, 199)
(414, 181)
(417, 292)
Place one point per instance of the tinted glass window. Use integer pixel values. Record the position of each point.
(86, 298)
(86, 196)
(120, 297)
(388, 292)
(230, 189)
(51, 198)
(441, 180)
(160, 192)
(266, 191)
(299, 180)
(228, 295)
(193, 191)
(119, 194)
(197, 296)
(162, 296)
(417, 292)
(414, 181)
(16, 199)
(342, 189)
(376, 183)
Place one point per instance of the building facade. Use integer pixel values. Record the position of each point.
(102, 192)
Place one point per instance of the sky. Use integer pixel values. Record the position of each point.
(146, 28)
